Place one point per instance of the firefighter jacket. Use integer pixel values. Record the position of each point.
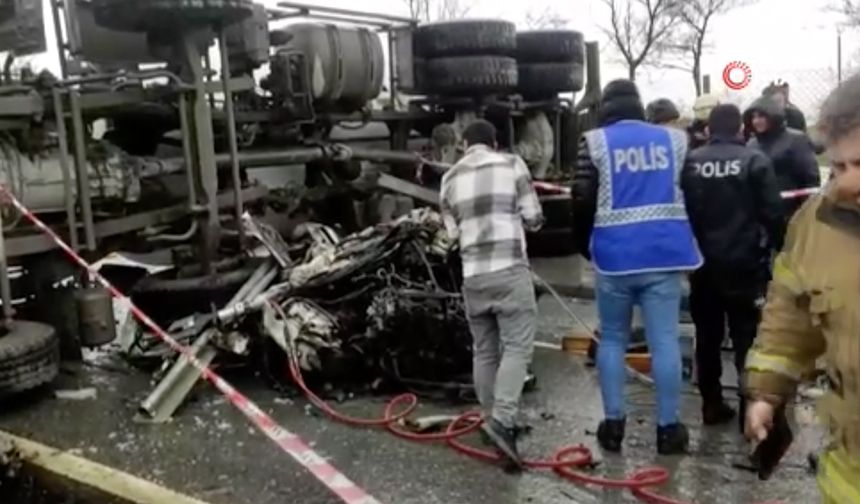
(813, 310)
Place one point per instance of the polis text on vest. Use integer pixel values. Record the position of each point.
(719, 169)
(635, 159)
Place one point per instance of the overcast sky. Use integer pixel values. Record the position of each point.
(794, 40)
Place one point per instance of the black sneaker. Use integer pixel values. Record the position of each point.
(672, 439)
(519, 431)
(505, 441)
(717, 413)
(610, 435)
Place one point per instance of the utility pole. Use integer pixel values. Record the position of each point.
(839, 54)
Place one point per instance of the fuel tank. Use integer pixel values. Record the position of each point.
(345, 64)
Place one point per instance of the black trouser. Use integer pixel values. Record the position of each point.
(719, 297)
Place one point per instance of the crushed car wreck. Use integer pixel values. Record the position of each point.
(377, 310)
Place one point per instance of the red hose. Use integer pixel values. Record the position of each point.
(563, 462)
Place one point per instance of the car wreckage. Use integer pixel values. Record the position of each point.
(287, 194)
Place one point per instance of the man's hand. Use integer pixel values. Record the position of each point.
(759, 421)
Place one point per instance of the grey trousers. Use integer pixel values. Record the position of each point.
(502, 314)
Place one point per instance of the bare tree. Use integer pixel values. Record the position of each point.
(548, 18)
(639, 29)
(689, 44)
(850, 10)
(437, 10)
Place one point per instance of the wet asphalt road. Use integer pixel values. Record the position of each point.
(213, 453)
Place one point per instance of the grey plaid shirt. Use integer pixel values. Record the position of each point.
(487, 199)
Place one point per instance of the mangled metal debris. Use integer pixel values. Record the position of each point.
(378, 309)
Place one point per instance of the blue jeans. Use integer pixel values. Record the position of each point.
(659, 298)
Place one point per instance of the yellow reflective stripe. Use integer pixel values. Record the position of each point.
(785, 277)
(768, 363)
(835, 477)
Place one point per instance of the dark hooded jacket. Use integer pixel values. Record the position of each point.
(789, 150)
(794, 118)
(620, 101)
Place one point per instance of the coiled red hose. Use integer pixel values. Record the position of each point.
(564, 462)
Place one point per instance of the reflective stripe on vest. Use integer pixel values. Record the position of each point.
(641, 222)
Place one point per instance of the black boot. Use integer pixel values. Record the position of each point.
(505, 441)
(742, 415)
(672, 439)
(717, 413)
(610, 435)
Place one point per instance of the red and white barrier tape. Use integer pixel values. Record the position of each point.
(290, 443)
(557, 189)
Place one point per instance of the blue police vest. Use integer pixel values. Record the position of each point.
(641, 225)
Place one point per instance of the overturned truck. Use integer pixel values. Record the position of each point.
(310, 142)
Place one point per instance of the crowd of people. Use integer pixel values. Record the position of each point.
(652, 204)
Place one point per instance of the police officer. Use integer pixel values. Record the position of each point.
(630, 218)
(813, 307)
(732, 198)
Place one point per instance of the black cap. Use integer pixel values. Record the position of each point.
(620, 100)
(725, 120)
(662, 111)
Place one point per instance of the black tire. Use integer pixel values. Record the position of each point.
(471, 75)
(541, 80)
(551, 46)
(166, 299)
(167, 15)
(467, 37)
(29, 357)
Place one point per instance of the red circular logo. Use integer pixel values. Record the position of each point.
(737, 75)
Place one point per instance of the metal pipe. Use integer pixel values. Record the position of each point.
(331, 17)
(172, 390)
(175, 238)
(186, 149)
(204, 147)
(345, 12)
(252, 281)
(557, 141)
(5, 286)
(142, 76)
(81, 170)
(63, 140)
(392, 68)
(263, 284)
(231, 135)
(839, 55)
(58, 33)
(168, 395)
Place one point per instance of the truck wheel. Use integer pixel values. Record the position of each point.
(540, 80)
(469, 75)
(165, 298)
(467, 37)
(29, 357)
(550, 46)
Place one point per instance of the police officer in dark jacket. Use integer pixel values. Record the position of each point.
(789, 150)
(736, 212)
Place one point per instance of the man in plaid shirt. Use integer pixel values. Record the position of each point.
(487, 199)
